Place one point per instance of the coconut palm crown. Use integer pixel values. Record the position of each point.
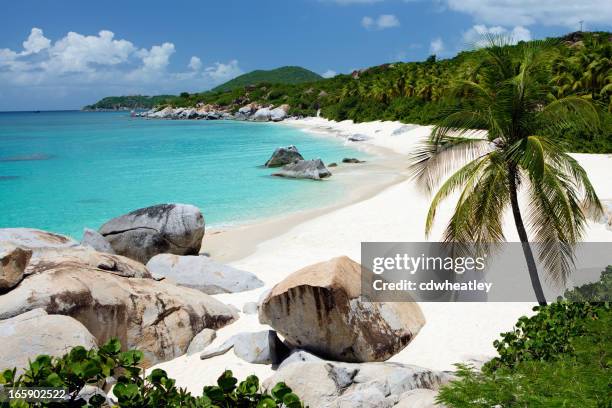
(518, 155)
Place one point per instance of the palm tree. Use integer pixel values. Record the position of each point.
(518, 152)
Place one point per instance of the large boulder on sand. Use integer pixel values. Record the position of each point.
(332, 384)
(35, 238)
(283, 156)
(13, 261)
(308, 169)
(158, 318)
(319, 309)
(28, 335)
(202, 273)
(165, 228)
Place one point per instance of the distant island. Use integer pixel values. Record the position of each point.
(128, 102)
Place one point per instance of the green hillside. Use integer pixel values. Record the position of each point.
(282, 75)
(128, 102)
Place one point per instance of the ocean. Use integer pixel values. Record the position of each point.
(63, 171)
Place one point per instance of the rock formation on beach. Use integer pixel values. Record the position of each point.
(92, 296)
(305, 169)
(319, 309)
(165, 228)
(252, 111)
(202, 273)
(13, 261)
(263, 347)
(96, 241)
(115, 298)
(328, 384)
(35, 238)
(30, 334)
(283, 156)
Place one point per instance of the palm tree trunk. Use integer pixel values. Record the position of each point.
(520, 228)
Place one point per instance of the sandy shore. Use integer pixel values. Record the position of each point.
(388, 208)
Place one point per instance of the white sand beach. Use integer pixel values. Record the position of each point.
(392, 210)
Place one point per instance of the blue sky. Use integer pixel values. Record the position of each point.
(65, 54)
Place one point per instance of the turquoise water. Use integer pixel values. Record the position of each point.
(63, 171)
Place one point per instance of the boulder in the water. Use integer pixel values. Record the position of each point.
(283, 156)
(304, 169)
(351, 160)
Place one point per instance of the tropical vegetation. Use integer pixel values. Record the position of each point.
(519, 151)
(559, 357)
(579, 64)
(96, 367)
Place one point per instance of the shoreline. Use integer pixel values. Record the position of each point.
(235, 242)
(273, 249)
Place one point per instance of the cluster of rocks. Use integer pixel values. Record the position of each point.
(327, 343)
(335, 344)
(293, 165)
(252, 111)
(57, 293)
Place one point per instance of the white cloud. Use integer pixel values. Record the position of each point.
(436, 46)
(82, 68)
(476, 36)
(157, 58)
(220, 72)
(381, 22)
(79, 53)
(527, 12)
(36, 42)
(195, 63)
(330, 73)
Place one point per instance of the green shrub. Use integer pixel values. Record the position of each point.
(581, 379)
(545, 336)
(560, 357)
(82, 367)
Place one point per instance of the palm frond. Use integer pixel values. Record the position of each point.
(431, 162)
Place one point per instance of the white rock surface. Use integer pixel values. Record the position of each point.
(30, 334)
(202, 273)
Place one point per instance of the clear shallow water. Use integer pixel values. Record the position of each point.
(63, 171)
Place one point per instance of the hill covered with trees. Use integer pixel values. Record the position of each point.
(129, 102)
(282, 75)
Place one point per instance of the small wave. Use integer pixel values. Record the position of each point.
(28, 157)
(6, 178)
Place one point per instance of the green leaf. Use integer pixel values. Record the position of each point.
(266, 402)
(227, 382)
(279, 391)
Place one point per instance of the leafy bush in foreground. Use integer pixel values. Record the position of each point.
(581, 379)
(560, 357)
(82, 367)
